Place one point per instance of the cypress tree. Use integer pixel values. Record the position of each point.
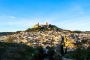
(62, 51)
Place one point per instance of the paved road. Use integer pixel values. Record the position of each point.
(46, 58)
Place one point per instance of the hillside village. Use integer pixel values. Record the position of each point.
(50, 37)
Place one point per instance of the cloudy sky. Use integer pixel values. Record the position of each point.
(22, 14)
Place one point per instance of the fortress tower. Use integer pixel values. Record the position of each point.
(38, 24)
(47, 24)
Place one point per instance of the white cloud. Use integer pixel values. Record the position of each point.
(11, 16)
(6, 17)
(77, 8)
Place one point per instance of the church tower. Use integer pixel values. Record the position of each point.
(38, 24)
(47, 24)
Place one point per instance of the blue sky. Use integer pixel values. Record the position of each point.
(67, 14)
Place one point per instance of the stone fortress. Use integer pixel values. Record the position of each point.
(40, 25)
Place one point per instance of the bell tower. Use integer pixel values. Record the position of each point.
(47, 24)
(38, 24)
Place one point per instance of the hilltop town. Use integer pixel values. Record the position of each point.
(49, 35)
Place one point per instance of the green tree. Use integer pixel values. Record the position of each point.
(62, 50)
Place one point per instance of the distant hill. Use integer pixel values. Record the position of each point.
(5, 33)
(88, 32)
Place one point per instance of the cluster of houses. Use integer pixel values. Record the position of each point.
(47, 38)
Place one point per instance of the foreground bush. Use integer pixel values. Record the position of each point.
(13, 51)
(79, 54)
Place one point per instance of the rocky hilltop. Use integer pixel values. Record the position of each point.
(46, 27)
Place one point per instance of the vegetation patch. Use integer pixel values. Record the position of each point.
(14, 51)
